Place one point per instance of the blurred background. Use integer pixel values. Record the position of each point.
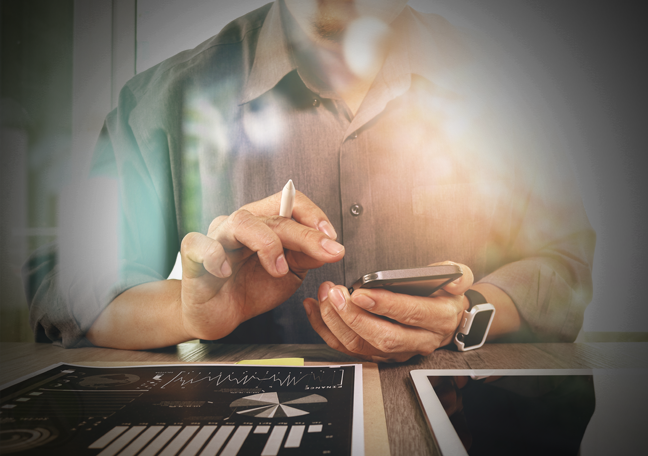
(62, 63)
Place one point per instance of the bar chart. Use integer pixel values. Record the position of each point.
(203, 440)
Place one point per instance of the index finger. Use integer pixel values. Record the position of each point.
(305, 212)
(308, 213)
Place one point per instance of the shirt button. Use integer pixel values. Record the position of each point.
(354, 136)
(356, 209)
(316, 102)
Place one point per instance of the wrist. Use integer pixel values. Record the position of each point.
(212, 319)
(507, 319)
(175, 320)
(474, 298)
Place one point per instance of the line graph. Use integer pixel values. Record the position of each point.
(322, 378)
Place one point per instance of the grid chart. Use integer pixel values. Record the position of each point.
(172, 410)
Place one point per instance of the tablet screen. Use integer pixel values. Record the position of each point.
(513, 415)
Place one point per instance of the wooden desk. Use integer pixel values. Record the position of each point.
(406, 428)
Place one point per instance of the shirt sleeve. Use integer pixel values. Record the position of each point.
(551, 248)
(118, 229)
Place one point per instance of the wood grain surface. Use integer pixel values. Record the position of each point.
(406, 427)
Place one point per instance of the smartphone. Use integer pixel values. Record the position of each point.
(413, 281)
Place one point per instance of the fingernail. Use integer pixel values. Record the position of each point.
(363, 300)
(323, 294)
(308, 308)
(226, 269)
(332, 247)
(327, 229)
(338, 299)
(281, 264)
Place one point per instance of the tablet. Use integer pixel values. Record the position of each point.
(525, 411)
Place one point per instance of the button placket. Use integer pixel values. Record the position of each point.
(357, 219)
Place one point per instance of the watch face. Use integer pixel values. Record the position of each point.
(478, 329)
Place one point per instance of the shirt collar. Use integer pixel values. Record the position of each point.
(425, 45)
(272, 60)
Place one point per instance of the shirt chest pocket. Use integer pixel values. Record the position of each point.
(455, 221)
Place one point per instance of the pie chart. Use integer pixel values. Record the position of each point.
(278, 405)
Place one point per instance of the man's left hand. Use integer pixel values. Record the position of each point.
(418, 326)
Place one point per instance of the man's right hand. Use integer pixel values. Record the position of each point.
(250, 262)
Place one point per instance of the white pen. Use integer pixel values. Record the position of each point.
(287, 199)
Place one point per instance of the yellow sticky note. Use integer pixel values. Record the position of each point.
(275, 362)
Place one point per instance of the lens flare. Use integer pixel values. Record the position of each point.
(264, 124)
(204, 124)
(206, 148)
(365, 44)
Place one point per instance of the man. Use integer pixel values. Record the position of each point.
(395, 157)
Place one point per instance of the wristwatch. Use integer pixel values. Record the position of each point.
(475, 322)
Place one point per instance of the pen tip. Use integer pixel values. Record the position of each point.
(289, 185)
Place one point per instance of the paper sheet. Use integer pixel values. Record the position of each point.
(186, 409)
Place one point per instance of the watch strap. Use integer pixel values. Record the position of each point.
(474, 298)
